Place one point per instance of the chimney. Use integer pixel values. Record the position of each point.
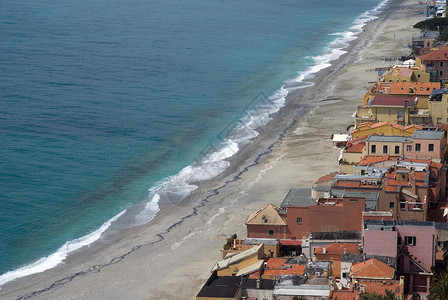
(324, 250)
(402, 281)
(345, 251)
(258, 284)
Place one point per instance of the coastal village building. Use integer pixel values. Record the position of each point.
(435, 62)
(415, 73)
(299, 215)
(242, 263)
(383, 128)
(421, 90)
(387, 108)
(416, 243)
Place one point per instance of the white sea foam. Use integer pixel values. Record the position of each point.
(175, 188)
(59, 256)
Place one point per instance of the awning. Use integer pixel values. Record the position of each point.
(291, 242)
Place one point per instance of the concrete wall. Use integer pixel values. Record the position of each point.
(378, 242)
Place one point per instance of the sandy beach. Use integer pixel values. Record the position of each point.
(171, 257)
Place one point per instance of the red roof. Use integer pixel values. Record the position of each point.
(337, 248)
(392, 101)
(291, 242)
(434, 55)
(357, 148)
(372, 268)
(368, 160)
(326, 177)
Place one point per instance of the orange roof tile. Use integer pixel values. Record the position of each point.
(326, 177)
(398, 182)
(372, 160)
(356, 148)
(416, 88)
(372, 268)
(344, 295)
(277, 266)
(337, 248)
(381, 287)
(400, 71)
(391, 188)
(336, 269)
(440, 54)
(420, 175)
(359, 139)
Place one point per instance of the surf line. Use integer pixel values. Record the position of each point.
(160, 236)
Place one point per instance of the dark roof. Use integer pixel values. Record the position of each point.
(371, 198)
(337, 235)
(392, 223)
(220, 287)
(296, 261)
(439, 91)
(428, 134)
(298, 197)
(265, 284)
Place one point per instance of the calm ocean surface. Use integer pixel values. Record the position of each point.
(106, 105)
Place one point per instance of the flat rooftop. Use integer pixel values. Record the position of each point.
(428, 134)
(389, 138)
(298, 197)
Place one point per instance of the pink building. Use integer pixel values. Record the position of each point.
(412, 243)
(426, 144)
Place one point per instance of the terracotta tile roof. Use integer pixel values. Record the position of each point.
(392, 101)
(440, 54)
(368, 160)
(392, 174)
(420, 175)
(357, 148)
(326, 177)
(359, 139)
(270, 213)
(381, 287)
(398, 182)
(348, 183)
(337, 248)
(344, 295)
(381, 124)
(416, 88)
(391, 188)
(336, 269)
(400, 71)
(372, 268)
(277, 266)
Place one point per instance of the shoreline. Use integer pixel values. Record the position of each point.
(77, 278)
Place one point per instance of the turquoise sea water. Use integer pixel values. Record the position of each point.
(108, 105)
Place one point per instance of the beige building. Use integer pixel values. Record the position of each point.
(407, 74)
(387, 109)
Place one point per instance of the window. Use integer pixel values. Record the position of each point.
(417, 147)
(271, 232)
(410, 240)
(441, 63)
(431, 147)
(440, 73)
(439, 121)
(408, 148)
(391, 204)
(390, 113)
(353, 200)
(373, 149)
(421, 89)
(385, 149)
(402, 205)
(299, 220)
(397, 149)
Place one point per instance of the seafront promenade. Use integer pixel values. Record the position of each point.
(162, 261)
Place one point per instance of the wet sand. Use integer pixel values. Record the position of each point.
(171, 257)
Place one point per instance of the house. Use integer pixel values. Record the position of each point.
(221, 287)
(289, 286)
(242, 263)
(274, 267)
(267, 223)
(383, 128)
(413, 243)
(438, 106)
(335, 251)
(435, 62)
(415, 73)
(428, 143)
(371, 269)
(387, 108)
(271, 246)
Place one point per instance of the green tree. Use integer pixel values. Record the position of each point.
(439, 288)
